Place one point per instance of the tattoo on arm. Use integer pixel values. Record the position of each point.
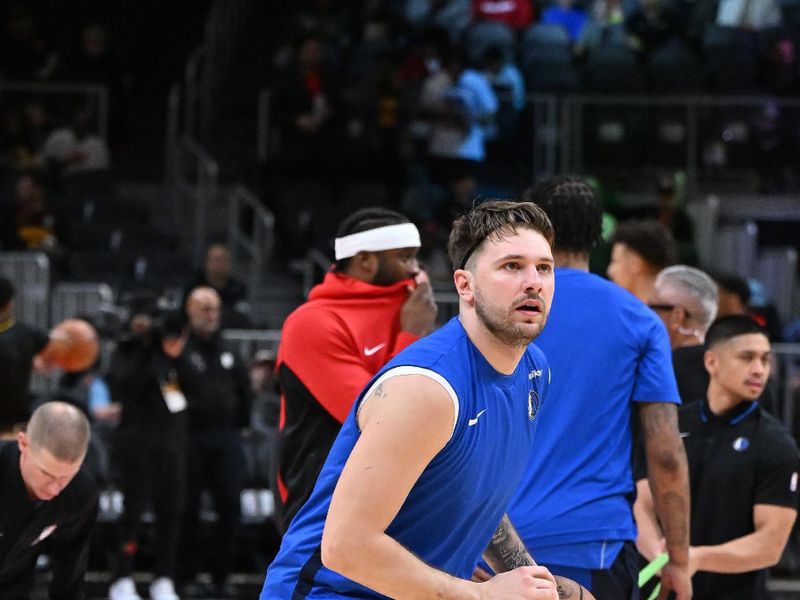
(379, 392)
(667, 472)
(659, 418)
(568, 589)
(506, 550)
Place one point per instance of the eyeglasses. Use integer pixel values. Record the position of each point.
(665, 307)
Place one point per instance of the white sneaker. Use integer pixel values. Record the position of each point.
(162, 589)
(123, 589)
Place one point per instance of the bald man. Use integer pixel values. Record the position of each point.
(217, 389)
(45, 495)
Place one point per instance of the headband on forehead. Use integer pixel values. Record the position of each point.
(390, 237)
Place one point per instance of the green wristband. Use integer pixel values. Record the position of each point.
(654, 567)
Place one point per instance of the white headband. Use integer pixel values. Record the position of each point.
(403, 235)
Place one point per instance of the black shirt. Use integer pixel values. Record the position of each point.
(19, 343)
(139, 369)
(60, 527)
(216, 384)
(742, 458)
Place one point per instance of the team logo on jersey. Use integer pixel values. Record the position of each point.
(741, 444)
(46, 532)
(533, 404)
(226, 360)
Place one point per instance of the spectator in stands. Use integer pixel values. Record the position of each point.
(743, 469)
(17, 151)
(465, 110)
(217, 389)
(651, 25)
(24, 54)
(306, 107)
(48, 504)
(604, 18)
(34, 219)
(670, 212)
(75, 146)
(216, 274)
(517, 14)
(750, 15)
(508, 85)
(734, 295)
(150, 448)
(366, 310)
(452, 15)
(565, 14)
(22, 348)
(639, 250)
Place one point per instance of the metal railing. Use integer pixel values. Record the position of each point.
(194, 187)
(251, 232)
(30, 274)
(68, 300)
(264, 130)
(96, 96)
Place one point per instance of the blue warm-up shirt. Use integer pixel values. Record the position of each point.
(455, 506)
(607, 351)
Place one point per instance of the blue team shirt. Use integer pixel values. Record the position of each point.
(455, 506)
(606, 350)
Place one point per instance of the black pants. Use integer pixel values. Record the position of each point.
(620, 582)
(152, 466)
(215, 464)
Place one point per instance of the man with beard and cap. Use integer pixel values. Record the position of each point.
(417, 483)
(369, 307)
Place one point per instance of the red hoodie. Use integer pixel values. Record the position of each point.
(331, 347)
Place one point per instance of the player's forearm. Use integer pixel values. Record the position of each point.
(375, 561)
(668, 475)
(748, 553)
(506, 551)
(649, 536)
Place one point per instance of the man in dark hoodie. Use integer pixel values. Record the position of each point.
(369, 307)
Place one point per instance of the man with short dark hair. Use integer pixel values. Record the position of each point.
(368, 308)
(743, 468)
(610, 359)
(639, 250)
(44, 495)
(417, 483)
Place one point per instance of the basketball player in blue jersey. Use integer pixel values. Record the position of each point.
(416, 486)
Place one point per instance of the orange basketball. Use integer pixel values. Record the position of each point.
(74, 345)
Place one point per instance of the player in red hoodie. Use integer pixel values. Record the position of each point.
(368, 308)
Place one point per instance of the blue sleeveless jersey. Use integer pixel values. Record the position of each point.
(455, 506)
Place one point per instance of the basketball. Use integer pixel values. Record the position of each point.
(74, 345)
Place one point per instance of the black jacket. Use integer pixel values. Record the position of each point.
(60, 527)
(216, 384)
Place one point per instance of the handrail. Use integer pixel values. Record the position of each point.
(192, 88)
(258, 242)
(263, 129)
(194, 188)
(88, 89)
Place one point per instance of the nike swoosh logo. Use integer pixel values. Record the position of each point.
(685, 434)
(373, 350)
(472, 422)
